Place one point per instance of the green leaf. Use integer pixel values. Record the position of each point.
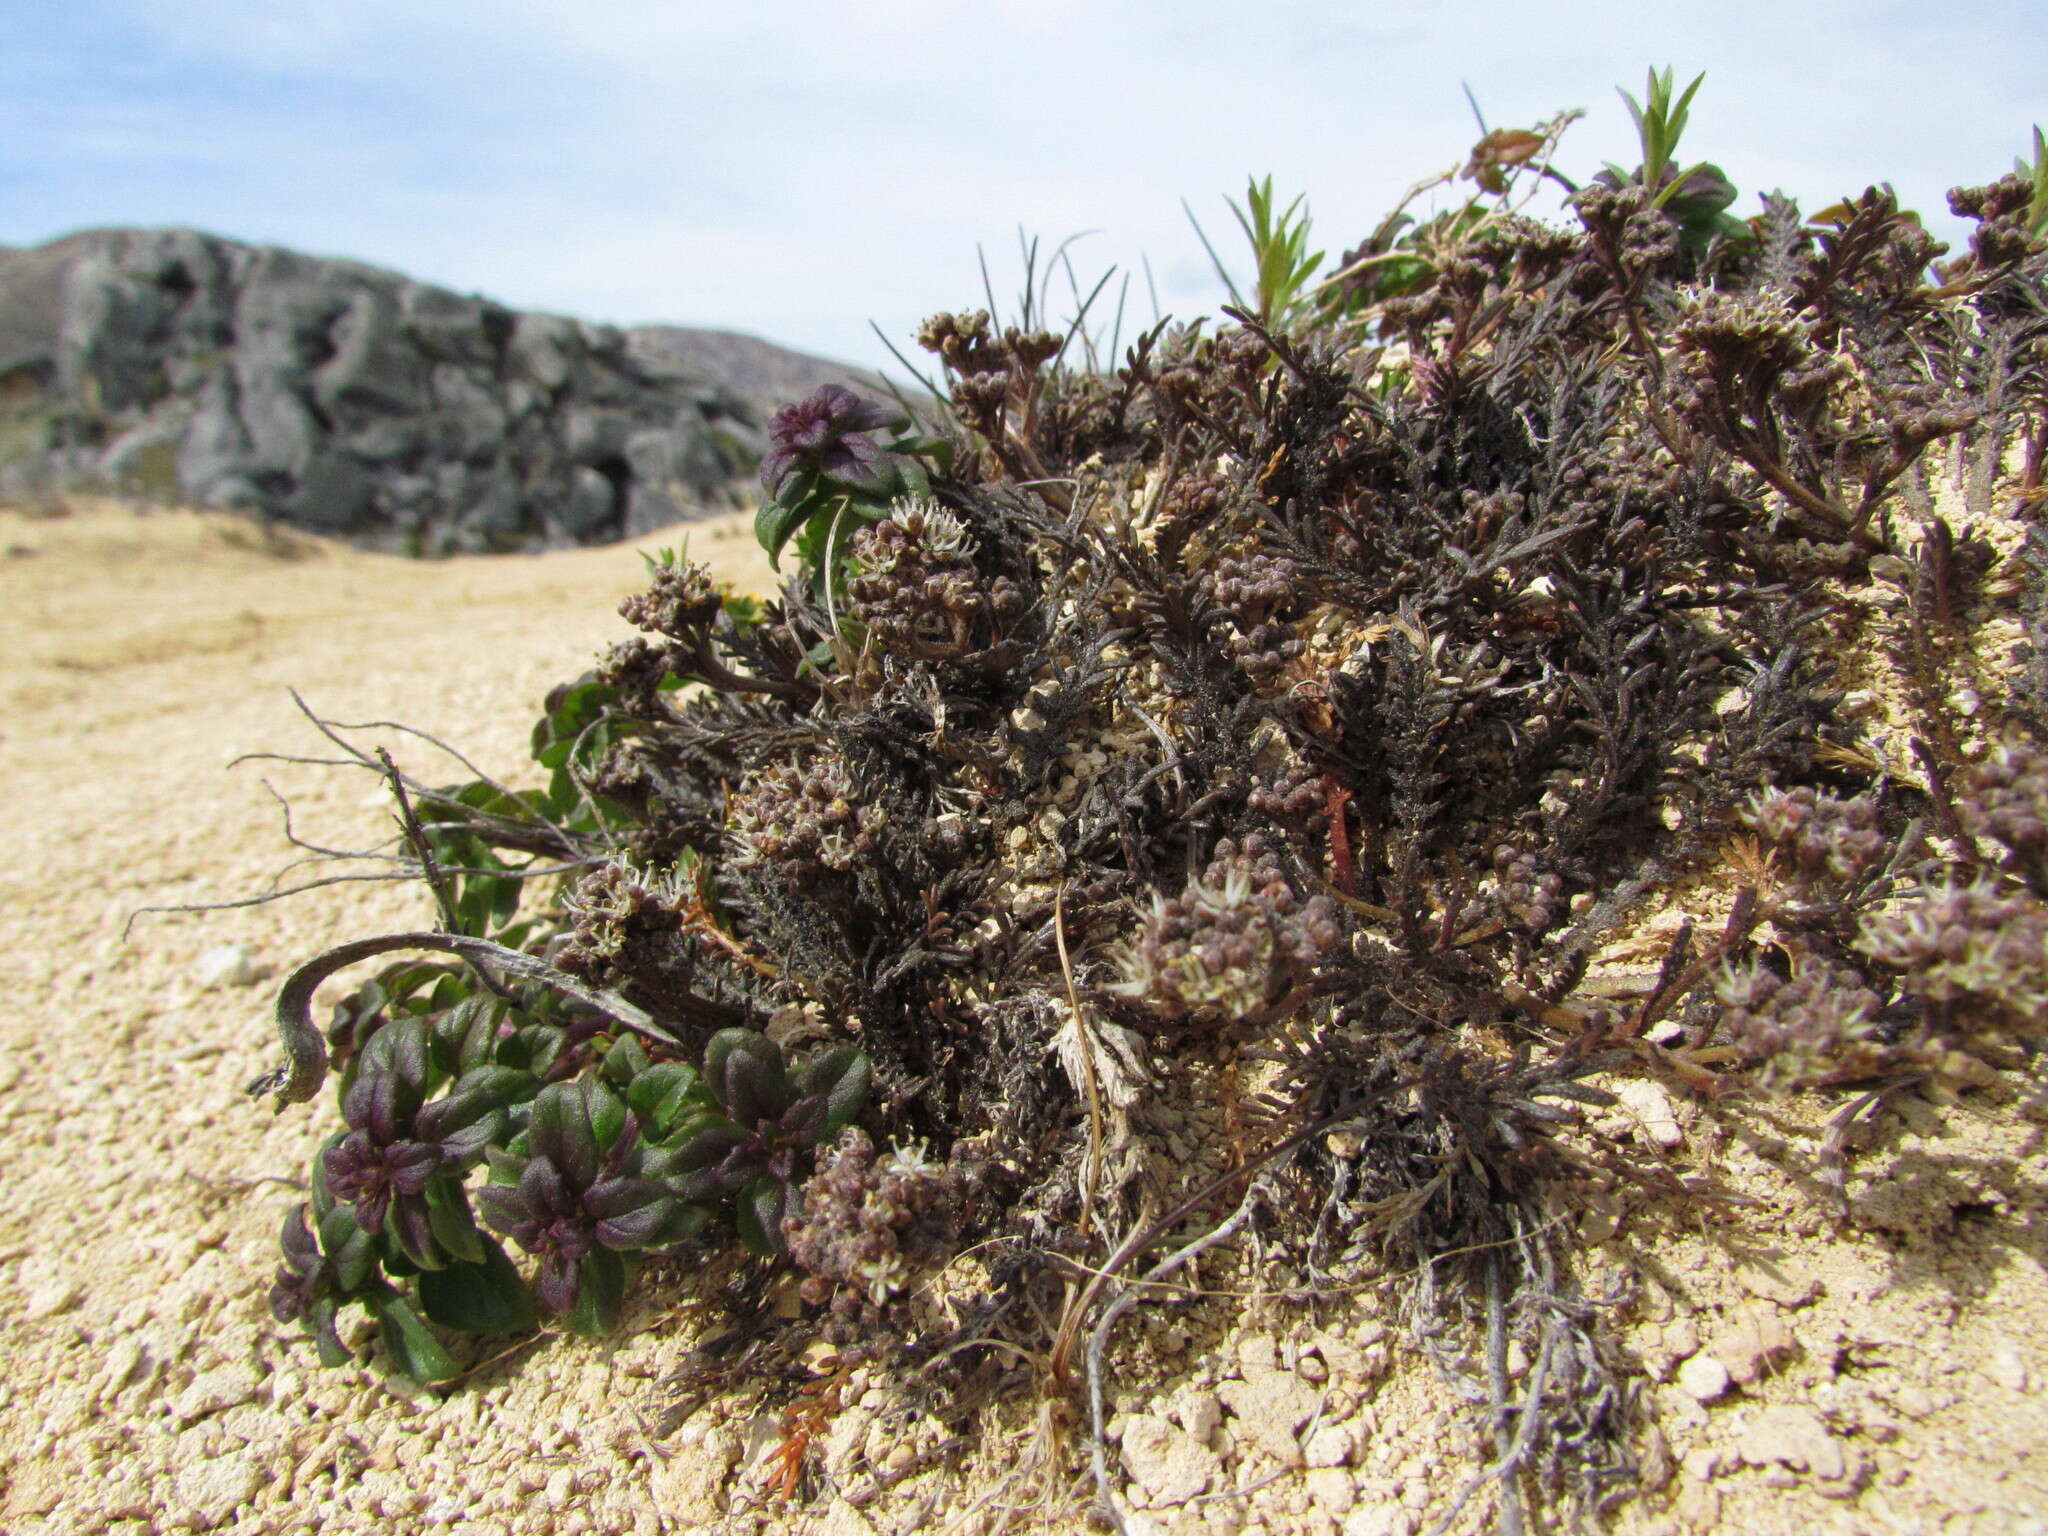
(401, 1047)
(479, 1092)
(937, 449)
(760, 1216)
(351, 1250)
(777, 522)
(452, 1221)
(684, 1223)
(624, 1060)
(485, 1296)
(320, 1323)
(607, 1113)
(410, 1343)
(662, 1094)
(531, 1048)
(702, 1139)
(600, 1293)
(562, 1132)
(843, 1076)
(464, 1035)
(744, 1069)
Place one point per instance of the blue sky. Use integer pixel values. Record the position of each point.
(798, 170)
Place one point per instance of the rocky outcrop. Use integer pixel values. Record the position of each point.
(347, 400)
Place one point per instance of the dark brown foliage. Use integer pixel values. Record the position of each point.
(1322, 703)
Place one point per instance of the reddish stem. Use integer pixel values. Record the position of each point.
(1343, 873)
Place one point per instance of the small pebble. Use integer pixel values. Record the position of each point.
(1703, 1378)
(229, 965)
(50, 1300)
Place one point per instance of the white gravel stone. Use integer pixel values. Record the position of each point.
(1795, 1437)
(47, 1301)
(1332, 1445)
(1170, 1464)
(1650, 1105)
(213, 1490)
(1703, 1378)
(1330, 1490)
(229, 965)
(214, 1391)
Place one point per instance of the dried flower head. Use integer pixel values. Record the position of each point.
(1231, 945)
(2005, 799)
(1826, 840)
(917, 589)
(798, 819)
(1967, 944)
(1816, 1024)
(680, 600)
(861, 1225)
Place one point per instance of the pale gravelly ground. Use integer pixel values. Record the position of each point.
(1890, 1371)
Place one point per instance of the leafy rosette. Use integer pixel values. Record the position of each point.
(751, 1144)
(326, 1266)
(331, 1262)
(584, 1192)
(822, 459)
(400, 1163)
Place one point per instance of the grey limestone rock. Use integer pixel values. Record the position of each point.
(348, 400)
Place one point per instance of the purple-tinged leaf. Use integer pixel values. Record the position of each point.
(628, 1211)
(760, 1216)
(562, 1133)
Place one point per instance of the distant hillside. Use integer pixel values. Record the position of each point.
(177, 366)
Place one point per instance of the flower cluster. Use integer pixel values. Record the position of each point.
(1754, 336)
(1831, 845)
(1292, 794)
(799, 819)
(1962, 944)
(2007, 231)
(861, 1224)
(1527, 893)
(1255, 587)
(619, 907)
(681, 600)
(1816, 1024)
(965, 342)
(1232, 944)
(1624, 228)
(916, 587)
(2005, 799)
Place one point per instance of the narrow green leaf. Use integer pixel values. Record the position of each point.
(453, 1223)
(843, 1076)
(320, 1322)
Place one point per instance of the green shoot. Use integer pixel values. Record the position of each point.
(1659, 125)
(2037, 173)
(1283, 288)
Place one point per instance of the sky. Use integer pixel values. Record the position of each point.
(808, 172)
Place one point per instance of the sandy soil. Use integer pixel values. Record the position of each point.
(1809, 1371)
